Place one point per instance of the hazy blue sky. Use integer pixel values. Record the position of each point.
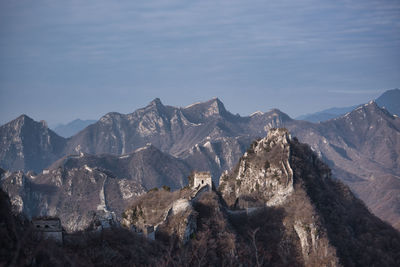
(61, 60)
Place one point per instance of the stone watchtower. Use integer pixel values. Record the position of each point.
(202, 179)
(50, 227)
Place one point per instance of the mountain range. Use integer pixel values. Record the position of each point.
(362, 147)
(76, 188)
(279, 206)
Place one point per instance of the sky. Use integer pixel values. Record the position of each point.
(62, 60)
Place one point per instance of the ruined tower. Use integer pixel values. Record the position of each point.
(202, 179)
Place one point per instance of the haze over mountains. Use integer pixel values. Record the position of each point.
(362, 148)
(71, 128)
(388, 100)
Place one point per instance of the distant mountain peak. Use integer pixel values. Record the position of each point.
(214, 103)
(155, 102)
(24, 117)
(156, 105)
(278, 114)
(200, 111)
(28, 144)
(216, 106)
(73, 127)
(390, 100)
(395, 91)
(77, 121)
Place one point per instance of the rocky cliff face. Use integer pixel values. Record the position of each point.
(28, 145)
(216, 155)
(170, 214)
(264, 169)
(147, 166)
(78, 188)
(76, 195)
(321, 213)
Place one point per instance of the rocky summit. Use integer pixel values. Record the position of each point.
(29, 145)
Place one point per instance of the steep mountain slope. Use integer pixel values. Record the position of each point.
(28, 145)
(72, 128)
(147, 165)
(333, 227)
(77, 188)
(216, 155)
(362, 148)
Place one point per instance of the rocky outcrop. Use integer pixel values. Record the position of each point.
(263, 172)
(281, 173)
(171, 214)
